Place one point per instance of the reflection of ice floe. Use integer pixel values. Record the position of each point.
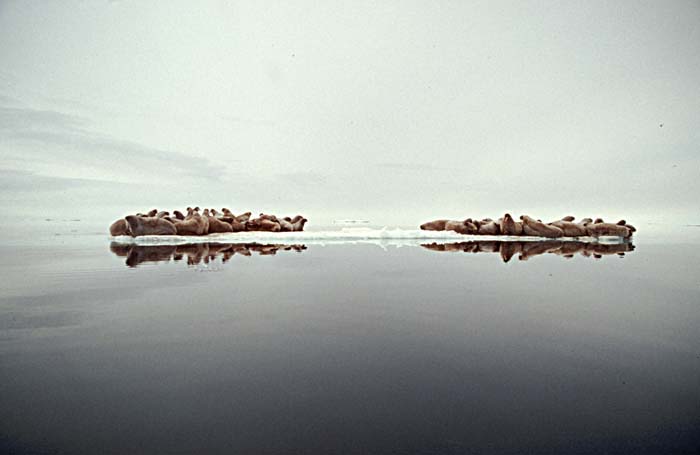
(385, 236)
(195, 254)
(527, 250)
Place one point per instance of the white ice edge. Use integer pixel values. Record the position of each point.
(398, 237)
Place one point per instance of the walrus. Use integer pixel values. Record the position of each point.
(286, 224)
(119, 227)
(567, 218)
(459, 227)
(178, 215)
(264, 216)
(540, 229)
(242, 218)
(608, 229)
(216, 225)
(205, 221)
(193, 224)
(570, 229)
(150, 226)
(162, 214)
(585, 222)
(509, 226)
(487, 227)
(298, 223)
(262, 225)
(436, 225)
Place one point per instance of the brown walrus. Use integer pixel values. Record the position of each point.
(216, 225)
(436, 225)
(460, 227)
(178, 215)
(205, 220)
(262, 225)
(119, 227)
(509, 226)
(487, 227)
(298, 223)
(286, 224)
(193, 224)
(540, 229)
(570, 229)
(150, 226)
(242, 218)
(608, 229)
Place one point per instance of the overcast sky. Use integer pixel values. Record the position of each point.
(396, 112)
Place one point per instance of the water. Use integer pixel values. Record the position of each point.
(348, 348)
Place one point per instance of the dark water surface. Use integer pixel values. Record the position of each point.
(348, 349)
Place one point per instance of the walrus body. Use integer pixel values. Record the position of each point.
(286, 224)
(608, 229)
(570, 229)
(119, 227)
(456, 226)
(436, 225)
(149, 226)
(510, 227)
(218, 226)
(193, 224)
(488, 227)
(262, 225)
(298, 223)
(540, 229)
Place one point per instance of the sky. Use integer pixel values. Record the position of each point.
(394, 111)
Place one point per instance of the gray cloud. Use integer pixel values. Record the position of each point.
(51, 137)
(13, 180)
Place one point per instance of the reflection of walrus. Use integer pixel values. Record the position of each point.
(509, 249)
(540, 229)
(149, 226)
(436, 225)
(531, 249)
(140, 254)
(119, 227)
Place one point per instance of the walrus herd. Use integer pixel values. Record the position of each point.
(527, 226)
(209, 222)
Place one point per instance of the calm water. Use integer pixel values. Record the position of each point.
(348, 349)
